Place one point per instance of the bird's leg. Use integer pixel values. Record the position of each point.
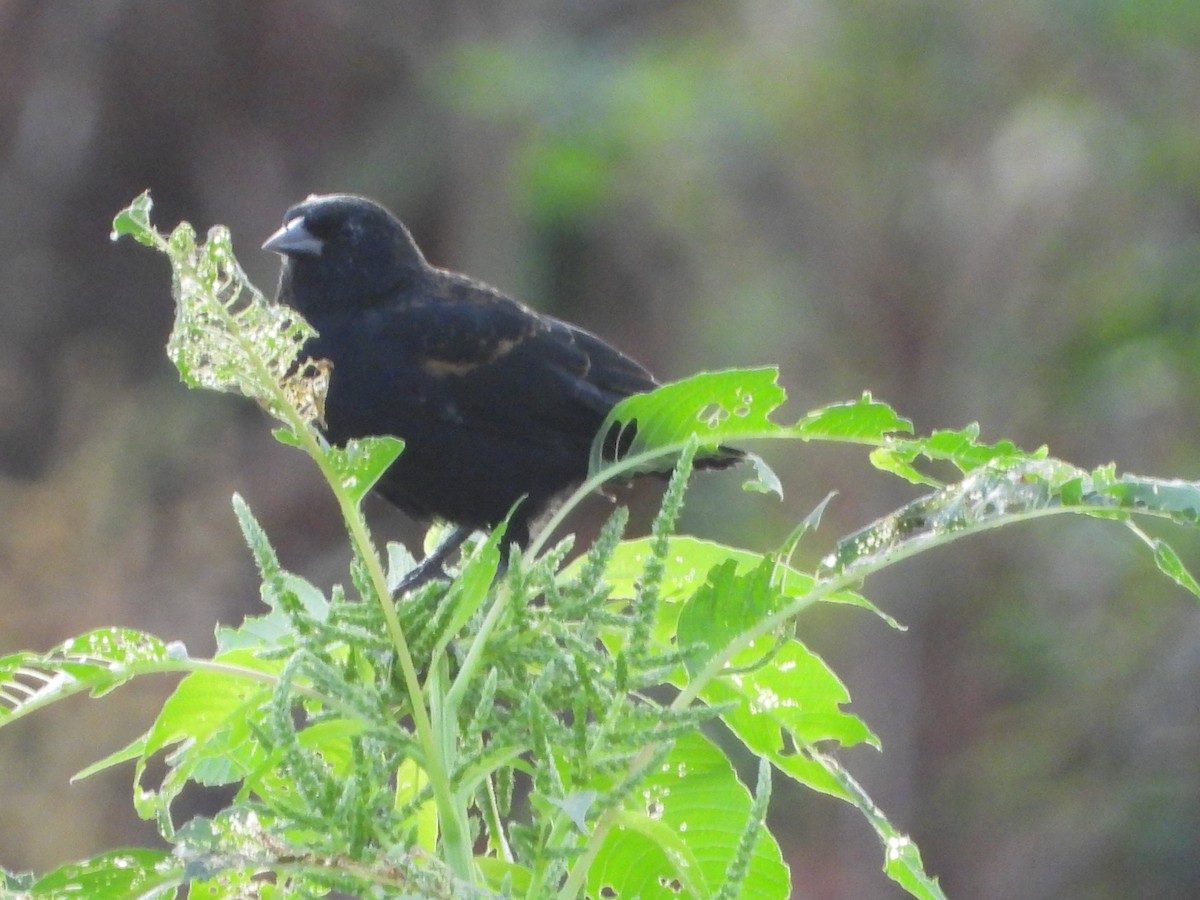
(431, 566)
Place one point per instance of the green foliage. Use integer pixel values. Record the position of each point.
(537, 733)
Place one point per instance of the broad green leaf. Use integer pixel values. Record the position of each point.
(793, 698)
(726, 409)
(687, 566)
(789, 698)
(688, 563)
(714, 407)
(692, 810)
(724, 607)
(328, 740)
(209, 717)
(116, 875)
(498, 872)
(411, 780)
(679, 872)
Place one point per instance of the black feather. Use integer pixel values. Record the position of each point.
(495, 402)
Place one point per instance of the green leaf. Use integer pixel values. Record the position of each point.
(713, 407)
(470, 588)
(227, 336)
(400, 562)
(97, 661)
(576, 806)
(686, 568)
(683, 833)
(498, 872)
(361, 463)
(961, 448)
(764, 481)
(1171, 565)
(116, 875)
(795, 696)
(1006, 490)
(864, 419)
(134, 221)
(1174, 499)
(210, 715)
(902, 863)
(1168, 561)
(723, 608)
(723, 409)
(687, 564)
(739, 866)
(902, 858)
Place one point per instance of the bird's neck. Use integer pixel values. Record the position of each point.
(327, 301)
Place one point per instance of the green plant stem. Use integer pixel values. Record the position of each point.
(495, 823)
(630, 464)
(451, 816)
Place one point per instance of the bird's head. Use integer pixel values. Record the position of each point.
(340, 253)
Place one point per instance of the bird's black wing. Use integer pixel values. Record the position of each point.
(502, 366)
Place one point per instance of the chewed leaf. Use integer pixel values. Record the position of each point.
(983, 498)
(130, 872)
(726, 409)
(865, 419)
(135, 222)
(763, 480)
(97, 661)
(679, 833)
(227, 335)
(361, 463)
(714, 407)
(960, 447)
(1006, 490)
(306, 387)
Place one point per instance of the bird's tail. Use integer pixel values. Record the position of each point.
(721, 458)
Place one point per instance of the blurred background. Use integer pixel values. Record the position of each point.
(978, 211)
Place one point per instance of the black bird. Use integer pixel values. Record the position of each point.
(495, 402)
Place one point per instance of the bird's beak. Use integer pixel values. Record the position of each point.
(293, 239)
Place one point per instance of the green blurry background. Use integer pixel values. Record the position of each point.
(978, 211)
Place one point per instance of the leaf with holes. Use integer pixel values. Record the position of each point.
(714, 408)
(680, 831)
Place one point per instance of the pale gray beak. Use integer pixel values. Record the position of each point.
(293, 239)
